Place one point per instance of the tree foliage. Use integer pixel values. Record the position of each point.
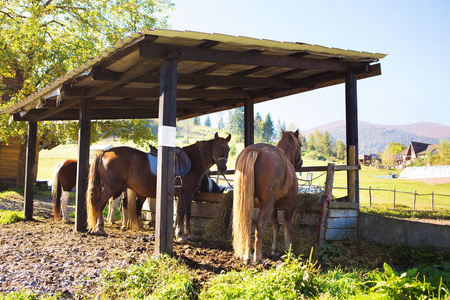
(237, 124)
(41, 41)
(268, 129)
(390, 153)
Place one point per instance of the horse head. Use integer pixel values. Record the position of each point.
(298, 155)
(292, 146)
(220, 152)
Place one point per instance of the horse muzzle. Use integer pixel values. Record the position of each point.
(221, 164)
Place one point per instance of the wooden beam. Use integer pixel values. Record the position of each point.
(327, 196)
(84, 138)
(249, 123)
(166, 158)
(30, 171)
(244, 58)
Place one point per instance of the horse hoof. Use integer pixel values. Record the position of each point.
(191, 238)
(181, 239)
(123, 228)
(67, 221)
(100, 232)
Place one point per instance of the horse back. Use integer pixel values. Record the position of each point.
(274, 175)
(67, 174)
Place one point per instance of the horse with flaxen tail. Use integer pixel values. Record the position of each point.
(123, 167)
(265, 177)
(63, 181)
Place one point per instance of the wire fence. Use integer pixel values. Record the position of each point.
(399, 199)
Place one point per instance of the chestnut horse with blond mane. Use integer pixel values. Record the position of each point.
(265, 177)
(123, 167)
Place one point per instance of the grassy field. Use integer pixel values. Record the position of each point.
(369, 177)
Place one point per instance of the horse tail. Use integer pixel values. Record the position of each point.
(134, 211)
(56, 193)
(243, 197)
(93, 192)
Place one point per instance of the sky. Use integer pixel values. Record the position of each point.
(415, 35)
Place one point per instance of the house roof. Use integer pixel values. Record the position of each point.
(430, 148)
(216, 72)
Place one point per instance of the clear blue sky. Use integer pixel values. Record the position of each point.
(415, 35)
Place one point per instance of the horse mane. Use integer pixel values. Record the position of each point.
(204, 150)
(284, 141)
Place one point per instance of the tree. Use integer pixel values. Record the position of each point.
(443, 153)
(340, 152)
(390, 154)
(41, 41)
(258, 128)
(237, 124)
(208, 121)
(220, 122)
(268, 129)
(311, 142)
(196, 120)
(327, 144)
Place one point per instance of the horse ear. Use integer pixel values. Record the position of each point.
(216, 136)
(228, 138)
(296, 133)
(282, 131)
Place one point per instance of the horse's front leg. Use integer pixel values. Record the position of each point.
(180, 212)
(64, 200)
(275, 229)
(112, 209)
(124, 211)
(187, 221)
(287, 228)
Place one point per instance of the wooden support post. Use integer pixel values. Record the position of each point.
(414, 201)
(249, 123)
(166, 158)
(328, 193)
(30, 170)
(84, 140)
(370, 196)
(351, 114)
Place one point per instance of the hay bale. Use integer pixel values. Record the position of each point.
(216, 229)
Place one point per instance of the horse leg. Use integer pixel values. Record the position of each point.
(275, 228)
(287, 228)
(187, 223)
(104, 197)
(180, 215)
(113, 202)
(124, 210)
(64, 200)
(264, 214)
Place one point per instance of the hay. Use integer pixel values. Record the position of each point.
(216, 229)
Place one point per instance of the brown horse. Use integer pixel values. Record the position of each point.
(265, 177)
(124, 167)
(64, 180)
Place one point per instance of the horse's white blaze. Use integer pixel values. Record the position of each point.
(64, 199)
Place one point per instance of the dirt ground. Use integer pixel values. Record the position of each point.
(47, 256)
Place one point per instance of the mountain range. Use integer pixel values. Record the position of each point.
(373, 138)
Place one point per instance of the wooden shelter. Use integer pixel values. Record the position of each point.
(170, 75)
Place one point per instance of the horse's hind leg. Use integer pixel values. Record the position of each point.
(275, 229)
(264, 214)
(64, 200)
(104, 197)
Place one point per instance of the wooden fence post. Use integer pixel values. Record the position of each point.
(414, 202)
(370, 197)
(432, 201)
(393, 203)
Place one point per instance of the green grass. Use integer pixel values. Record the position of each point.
(11, 216)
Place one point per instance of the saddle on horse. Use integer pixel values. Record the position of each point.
(182, 163)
